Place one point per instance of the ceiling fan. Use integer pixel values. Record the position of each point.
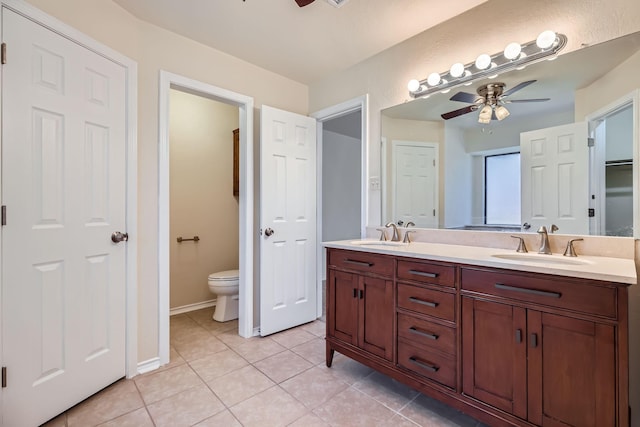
(490, 100)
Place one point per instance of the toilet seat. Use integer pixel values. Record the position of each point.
(224, 276)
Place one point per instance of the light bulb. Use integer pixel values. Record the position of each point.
(413, 86)
(512, 51)
(433, 79)
(456, 70)
(546, 39)
(501, 112)
(493, 65)
(483, 61)
(485, 114)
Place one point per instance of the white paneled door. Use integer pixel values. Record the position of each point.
(415, 183)
(63, 184)
(287, 220)
(555, 178)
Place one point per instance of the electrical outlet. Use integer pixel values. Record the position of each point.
(374, 183)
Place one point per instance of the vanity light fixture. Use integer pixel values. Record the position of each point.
(515, 56)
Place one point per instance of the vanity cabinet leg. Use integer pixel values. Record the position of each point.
(330, 352)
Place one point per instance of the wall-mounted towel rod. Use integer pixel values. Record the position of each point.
(195, 239)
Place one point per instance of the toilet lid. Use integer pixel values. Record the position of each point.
(225, 275)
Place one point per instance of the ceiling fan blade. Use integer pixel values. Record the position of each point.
(460, 112)
(509, 101)
(464, 97)
(518, 87)
(303, 3)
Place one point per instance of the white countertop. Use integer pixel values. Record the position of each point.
(618, 270)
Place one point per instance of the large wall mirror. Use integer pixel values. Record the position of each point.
(564, 153)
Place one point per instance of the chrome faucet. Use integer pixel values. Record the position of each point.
(396, 236)
(544, 241)
(407, 232)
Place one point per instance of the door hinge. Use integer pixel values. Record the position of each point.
(591, 142)
(434, 212)
(3, 53)
(4, 215)
(434, 162)
(4, 376)
(592, 212)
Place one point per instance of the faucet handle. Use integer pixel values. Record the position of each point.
(570, 251)
(410, 224)
(554, 228)
(407, 236)
(383, 234)
(542, 229)
(522, 248)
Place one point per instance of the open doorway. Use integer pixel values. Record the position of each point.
(343, 169)
(203, 210)
(244, 106)
(613, 167)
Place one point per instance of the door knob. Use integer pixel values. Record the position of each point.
(269, 232)
(117, 237)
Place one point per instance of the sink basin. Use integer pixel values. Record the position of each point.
(377, 243)
(542, 259)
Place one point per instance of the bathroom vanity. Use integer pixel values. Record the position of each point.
(510, 339)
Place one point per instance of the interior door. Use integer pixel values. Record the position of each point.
(555, 178)
(63, 184)
(287, 220)
(415, 184)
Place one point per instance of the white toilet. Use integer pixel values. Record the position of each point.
(225, 285)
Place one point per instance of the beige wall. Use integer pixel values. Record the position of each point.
(486, 28)
(156, 49)
(202, 201)
(617, 83)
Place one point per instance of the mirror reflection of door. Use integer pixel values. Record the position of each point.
(555, 178)
(415, 183)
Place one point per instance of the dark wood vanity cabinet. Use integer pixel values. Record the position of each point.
(526, 354)
(507, 347)
(360, 303)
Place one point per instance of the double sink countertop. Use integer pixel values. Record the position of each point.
(619, 270)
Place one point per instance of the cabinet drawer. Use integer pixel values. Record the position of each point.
(423, 333)
(361, 261)
(430, 364)
(426, 301)
(556, 292)
(435, 274)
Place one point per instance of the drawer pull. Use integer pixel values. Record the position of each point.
(518, 336)
(423, 334)
(427, 303)
(424, 365)
(360, 263)
(534, 340)
(423, 273)
(528, 291)
(355, 293)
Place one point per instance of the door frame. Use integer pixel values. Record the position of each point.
(394, 144)
(360, 103)
(596, 176)
(131, 167)
(169, 81)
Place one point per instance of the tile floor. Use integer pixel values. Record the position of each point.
(216, 378)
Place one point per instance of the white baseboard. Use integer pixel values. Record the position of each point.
(192, 307)
(148, 365)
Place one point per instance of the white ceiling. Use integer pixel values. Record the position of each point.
(304, 44)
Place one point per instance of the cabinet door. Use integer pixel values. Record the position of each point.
(494, 354)
(572, 371)
(342, 306)
(376, 313)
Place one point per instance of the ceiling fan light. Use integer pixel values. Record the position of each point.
(502, 112)
(433, 79)
(483, 62)
(485, 114)
(413, 86)
(457, 70)
(512, 51)
(546, 39)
